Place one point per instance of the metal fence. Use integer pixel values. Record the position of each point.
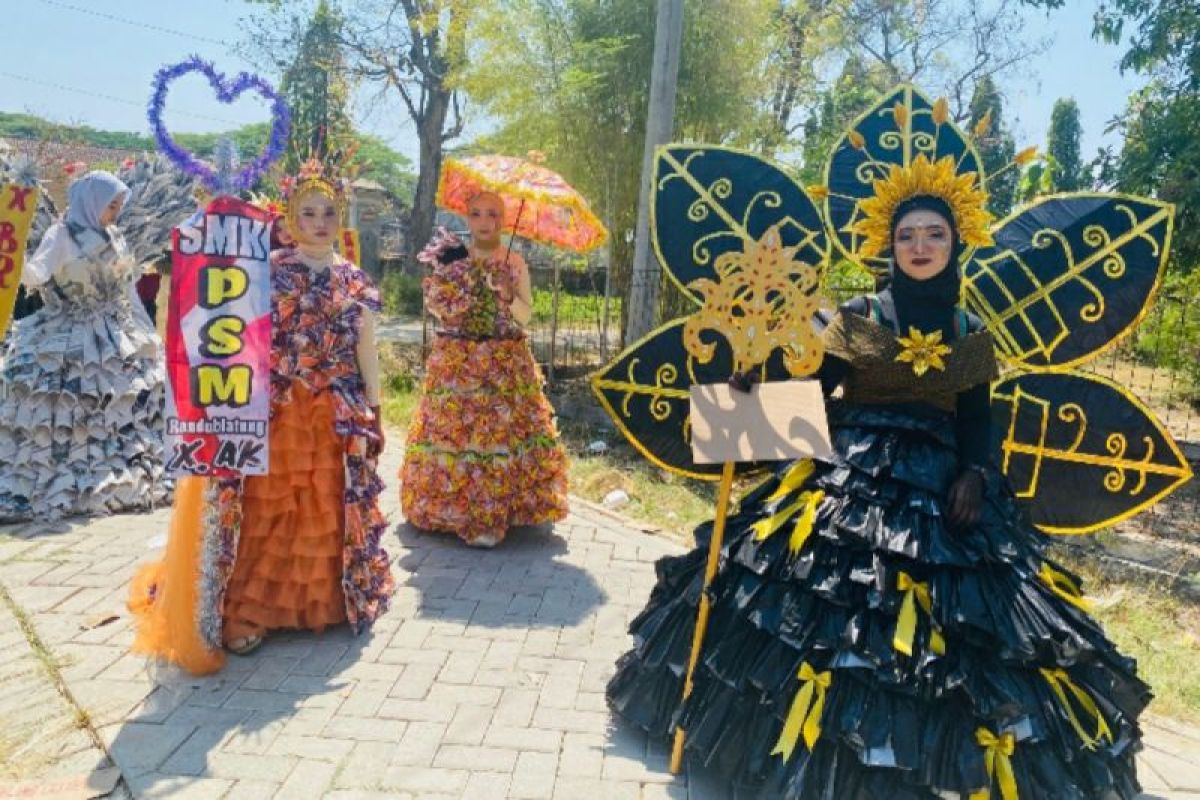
(576, 325)
(1160, 364)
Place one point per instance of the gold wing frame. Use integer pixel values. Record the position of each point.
(1066, 278)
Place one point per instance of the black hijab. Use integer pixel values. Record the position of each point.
(927, 305)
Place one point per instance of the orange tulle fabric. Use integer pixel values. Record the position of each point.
(162, 596)
(288, 572)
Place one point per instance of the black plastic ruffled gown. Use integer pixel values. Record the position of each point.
(826, 569)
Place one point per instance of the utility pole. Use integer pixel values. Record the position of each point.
(646, 277)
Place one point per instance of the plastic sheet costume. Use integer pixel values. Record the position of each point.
(300, 546)
(861, 646)
(81, 383)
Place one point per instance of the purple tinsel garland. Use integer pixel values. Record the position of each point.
(227, 93)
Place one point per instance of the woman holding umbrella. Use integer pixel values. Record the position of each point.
(483, 452)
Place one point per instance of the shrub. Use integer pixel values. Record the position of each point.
(1170, 335)
(401, 294)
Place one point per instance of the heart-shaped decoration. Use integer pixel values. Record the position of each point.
(227, 92)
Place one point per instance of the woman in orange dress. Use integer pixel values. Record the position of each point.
(299, 547)
(483, 453)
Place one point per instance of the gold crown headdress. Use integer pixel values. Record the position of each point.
(891, 155)
(329, 178)
(923, 177)
(312, 178)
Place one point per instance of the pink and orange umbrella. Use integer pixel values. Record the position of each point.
(538, 204)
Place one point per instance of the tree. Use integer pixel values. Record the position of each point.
(1161, 157)
(1062, 144)
(1161, 152)
(854, 91)
(950, 48)
(417, 48)
(800, 33)
(317, 91)
(995, 144)
(1036, 180)
(571, 78)
(946, 46)
(379, 162)
(414, 50)
(28, 126)
(248, 139)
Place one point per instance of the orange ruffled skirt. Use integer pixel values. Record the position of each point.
(288, 572)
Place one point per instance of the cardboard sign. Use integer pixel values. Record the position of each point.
(18, 204)
(349, 247)
(219, 342)
(775, 421)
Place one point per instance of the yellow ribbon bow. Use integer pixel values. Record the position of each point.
(998, 760)
(1062, 585)
(793, 479)
(806, 504)
(804, 524)
(768, 525)
(804, 717)
(906, 625)
(1061, 683)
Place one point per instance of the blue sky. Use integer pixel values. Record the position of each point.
(71, 66)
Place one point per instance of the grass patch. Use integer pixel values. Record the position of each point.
(400, 398)
(657, 497)
(574, 310)
(399, 368)
(1158, 629)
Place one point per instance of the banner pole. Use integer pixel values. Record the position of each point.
(710, 571)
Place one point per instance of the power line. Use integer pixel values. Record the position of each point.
(109, 97)
(134, 22)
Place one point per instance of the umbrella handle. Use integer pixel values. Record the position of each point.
(513, 237)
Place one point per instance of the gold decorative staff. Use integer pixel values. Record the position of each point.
(764, 300)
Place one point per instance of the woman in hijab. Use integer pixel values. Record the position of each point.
(82, 380)
(885, 622)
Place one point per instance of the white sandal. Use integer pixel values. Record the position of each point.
(248, 644)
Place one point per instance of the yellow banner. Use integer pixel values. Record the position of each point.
(350, 246)
(17, 207)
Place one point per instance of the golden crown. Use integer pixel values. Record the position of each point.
(313, 177)
(906, 146)
(923, 177)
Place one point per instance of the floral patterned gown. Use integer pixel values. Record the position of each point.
(483, 452)
(300, 546)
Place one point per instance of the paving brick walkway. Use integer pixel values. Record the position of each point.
(486, 680)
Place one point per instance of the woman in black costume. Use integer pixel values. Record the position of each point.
(886, 624)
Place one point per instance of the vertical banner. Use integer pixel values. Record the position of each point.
(219, 342)
(17, 206)
(350, 246)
